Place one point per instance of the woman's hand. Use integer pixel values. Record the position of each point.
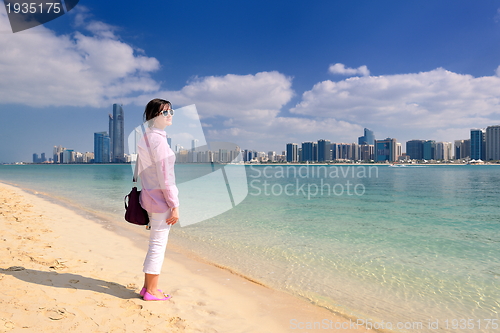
(174, 217)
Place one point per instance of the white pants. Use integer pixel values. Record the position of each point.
(158, 238)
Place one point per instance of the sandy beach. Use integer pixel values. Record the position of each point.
(63, 272)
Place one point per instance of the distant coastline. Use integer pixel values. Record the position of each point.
(279, 163)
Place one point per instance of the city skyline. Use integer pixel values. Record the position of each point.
(478, 147)
(339, 68)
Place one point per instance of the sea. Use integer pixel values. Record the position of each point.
(403, 249)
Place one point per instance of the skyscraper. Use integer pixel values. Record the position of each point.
(366, 152)
(354, 156)
(477, 144)
(493, 143)
(385, 150)
(110, 125)
(466, 148)
(58, 154)
(101, 147)
(292, 152)
(429, 150)
(443, 151)
(68, 156)
(462, 149)
(194, 144)
(118, 134)
(309, 151)
(415, 149)
(367, 139)
(345, 151)
(324, 150)
(335, 151)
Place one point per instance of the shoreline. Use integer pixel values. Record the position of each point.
(91, 261)
(279, 163)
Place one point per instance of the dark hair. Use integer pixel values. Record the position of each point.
(153, 108)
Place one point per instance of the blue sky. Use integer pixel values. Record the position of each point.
(261, 73)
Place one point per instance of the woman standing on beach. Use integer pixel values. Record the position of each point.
(159, 194)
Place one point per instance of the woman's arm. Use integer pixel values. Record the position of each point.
(165, 159)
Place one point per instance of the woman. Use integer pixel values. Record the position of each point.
(159, 194)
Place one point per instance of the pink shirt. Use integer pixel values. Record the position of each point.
(156, 170)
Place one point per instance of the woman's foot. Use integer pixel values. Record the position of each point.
(143, 291)
(157, 294)
(149, 297)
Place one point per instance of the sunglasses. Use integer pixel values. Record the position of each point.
(166, 112)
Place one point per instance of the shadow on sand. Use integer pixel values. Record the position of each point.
(68, 280)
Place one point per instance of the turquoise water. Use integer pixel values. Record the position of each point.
(397, 247)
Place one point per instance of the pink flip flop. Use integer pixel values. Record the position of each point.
(143, 291)
(149, 297)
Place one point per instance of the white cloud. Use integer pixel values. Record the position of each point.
(248, 109)
(274, 133)
(74, 70)
(235, 96)
(426, 100)
(340, 69)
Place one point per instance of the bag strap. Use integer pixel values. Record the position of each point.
(134, 179)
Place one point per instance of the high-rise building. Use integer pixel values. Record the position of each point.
(429, 150)
(462, 149)
(335, 151)
(443, 151)
(110, 125)
(194, 144)
(458, 146)
(399, 150)
(101, 147)
(58, 154)
(477, 144)
(354, 155)
(466, 148)
(324, 150)
(223, 156)
(68, 156)
(309, 152)
(493, 143)
(346, 151)
(367, 139)
(366, 152)
(35, 158)
(415, 149)
(343, 151)
(248, 155)
(385, 150)
(292, 152)
(118, 134)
